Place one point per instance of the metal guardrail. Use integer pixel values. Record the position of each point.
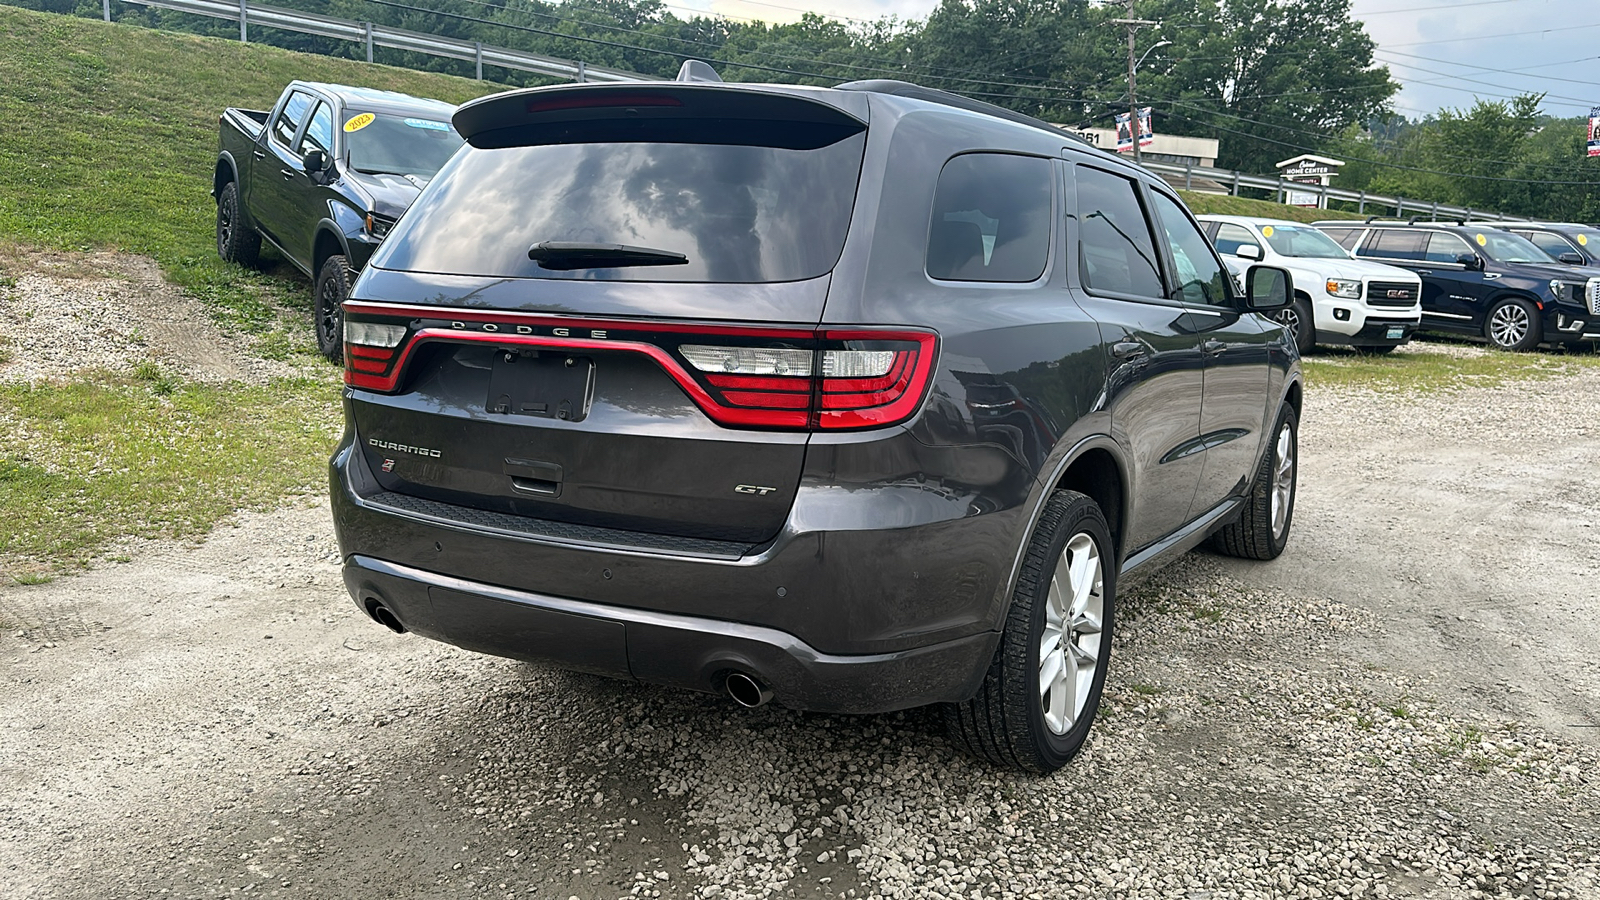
(1188, 173)
(374, 35)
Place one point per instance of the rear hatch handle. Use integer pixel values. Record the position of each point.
(531, 476)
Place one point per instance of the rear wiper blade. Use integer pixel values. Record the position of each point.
(585, 255)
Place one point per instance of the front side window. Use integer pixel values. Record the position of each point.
(319, 134)
(1201, 279)
(991, 219)
(1117, 252)
(1553, 244)
(1231, 237)
(289, 119)
(1445, 247)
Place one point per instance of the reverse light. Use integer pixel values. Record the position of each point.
(373, 334)
(1343, 289)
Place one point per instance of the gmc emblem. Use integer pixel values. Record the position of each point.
(1399, 295)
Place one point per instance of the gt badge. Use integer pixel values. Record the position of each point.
(758, 490)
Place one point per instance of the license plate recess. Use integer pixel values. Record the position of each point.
(540, 383)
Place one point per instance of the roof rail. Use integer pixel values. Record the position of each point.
(956, 101)
(1371, 219)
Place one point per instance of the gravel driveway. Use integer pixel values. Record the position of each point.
(1405, 705)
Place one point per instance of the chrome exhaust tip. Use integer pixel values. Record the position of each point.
(747, 691)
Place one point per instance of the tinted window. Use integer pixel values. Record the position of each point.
(1395, 244)
(288, 121)
(1231, 237)
(1344, 237)
(740, 213)
(1444, 247)
(319, 134)
(1200, 277)
(399, 145)
(1116, 250)
(991, 219)
(1508, 248)
(1553, 244)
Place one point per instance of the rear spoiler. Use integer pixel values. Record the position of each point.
(688, 112)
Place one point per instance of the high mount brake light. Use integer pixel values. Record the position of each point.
(741, 377)
(596, 100)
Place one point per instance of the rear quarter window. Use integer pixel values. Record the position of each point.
(991, 219)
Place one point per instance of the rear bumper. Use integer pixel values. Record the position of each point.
(659, 648)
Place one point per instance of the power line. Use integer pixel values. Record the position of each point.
(1496, 37)
(1387, 12)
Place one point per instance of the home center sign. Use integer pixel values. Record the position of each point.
(1308, 169)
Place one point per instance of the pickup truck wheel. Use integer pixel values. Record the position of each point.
(1512, 324)
(1262, 528)
(1043, 686)
(1302, 327)
(333, 287)
(236, 241)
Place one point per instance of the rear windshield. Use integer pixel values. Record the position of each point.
(740, 213)
(398, 145)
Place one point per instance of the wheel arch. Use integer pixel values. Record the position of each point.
(330, 241)
(224, 174)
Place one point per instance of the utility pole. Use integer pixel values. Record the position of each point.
(1133, 25)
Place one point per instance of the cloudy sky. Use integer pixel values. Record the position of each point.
(1444, 54)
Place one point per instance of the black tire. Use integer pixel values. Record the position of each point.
(332, 288)
(237, 242)
(1512, 324)
(1006, 722)
(1297, 317)
(1258, 533)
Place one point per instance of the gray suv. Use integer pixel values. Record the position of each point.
(856, 399)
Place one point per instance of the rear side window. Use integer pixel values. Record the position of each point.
(740, 213)
(1553, 244)
(1116, 250)
(1395, 244)
(288, 121)
(991, 219)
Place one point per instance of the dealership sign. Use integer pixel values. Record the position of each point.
(1307, 169)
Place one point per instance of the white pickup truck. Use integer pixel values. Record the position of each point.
(1338, 299)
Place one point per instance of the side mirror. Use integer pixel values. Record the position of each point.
(1248, 251)
(1470, 260)
(315, 161)
(1571, 258)
(1268, 289)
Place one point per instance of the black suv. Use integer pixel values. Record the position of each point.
(857, 399)
(1575, 245)
(1482, 281)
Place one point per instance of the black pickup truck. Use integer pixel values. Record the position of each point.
(323, 176)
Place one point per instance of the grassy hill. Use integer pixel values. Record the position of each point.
(111, 134)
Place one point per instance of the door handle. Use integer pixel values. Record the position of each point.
(1424, 271)
(259, 155)
(1212, 347)
(1128, 350)
(286, 173)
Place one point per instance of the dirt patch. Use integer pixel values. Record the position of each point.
(61, 314)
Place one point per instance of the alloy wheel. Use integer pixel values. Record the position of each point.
(1069, 648)
(1290, 319)
(1509, 325)
(1282, 480)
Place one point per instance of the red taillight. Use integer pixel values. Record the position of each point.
(741, 377)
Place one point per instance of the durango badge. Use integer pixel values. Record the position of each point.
(403, 448)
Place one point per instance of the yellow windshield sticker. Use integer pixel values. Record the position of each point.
(1266, 231)
(1481, 240)
(359, 122)
(1583, 240)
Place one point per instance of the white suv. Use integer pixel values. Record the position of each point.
(1338, 299)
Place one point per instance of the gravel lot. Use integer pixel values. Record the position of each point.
(1405, 705)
